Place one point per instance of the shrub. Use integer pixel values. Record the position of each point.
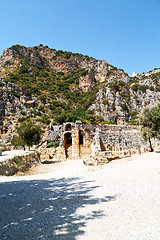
(133, 114)
(114, 87)
(21, 119)
(124, 107)
(143, 88)
(110, 122)
(105, 102)
(60, 73)
(42, 98)
(133, 122)
(53, 144)
(17, 141)
(45, 119)
(41, 108)
(135, 87)
(23, 112)
(67, 55)
(7, 63)
(100, 118)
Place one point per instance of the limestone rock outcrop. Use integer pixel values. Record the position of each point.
(113, 93)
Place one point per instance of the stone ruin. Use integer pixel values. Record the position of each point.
(75, 139)
(95, 143)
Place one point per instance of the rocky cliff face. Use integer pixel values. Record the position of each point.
(57, 86)
(127, 100)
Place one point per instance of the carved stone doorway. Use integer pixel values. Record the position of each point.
(67, 143)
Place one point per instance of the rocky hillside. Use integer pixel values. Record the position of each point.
(56, 86)
(120, 97)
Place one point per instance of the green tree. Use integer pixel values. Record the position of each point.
(18, 141)
(150, 124)
(30, 133)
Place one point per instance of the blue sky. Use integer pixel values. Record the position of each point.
(125, 33)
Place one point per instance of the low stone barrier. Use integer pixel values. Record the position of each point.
(22, 163)
(48, 154)
(106, 156)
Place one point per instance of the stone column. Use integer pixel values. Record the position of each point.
(96, 147)
(75, 140)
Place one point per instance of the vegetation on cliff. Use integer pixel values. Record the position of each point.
(62, 86)
(59, 92)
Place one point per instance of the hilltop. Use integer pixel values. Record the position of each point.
(57, 86)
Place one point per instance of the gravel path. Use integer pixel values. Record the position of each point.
(118, 201)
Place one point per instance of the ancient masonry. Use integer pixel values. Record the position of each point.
(75, 140)
(2, 113)
(79, 140)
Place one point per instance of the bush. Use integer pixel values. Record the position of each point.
(114, 87)
(105, 102)
(135, 87)
(124, 107)
(41, 108)
(42, 98)
(133, 114)
(143, 88)
(53, 144)
(45, 119)
(60, 73)
(110, 122)
(17, 141)
(23, 112)
(100, 118)
(133, 122)
(21, 119)
(15, 94)
(67, 55)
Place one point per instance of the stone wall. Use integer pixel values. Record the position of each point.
(16, 164)
(97, 138)
(120, 137)
(125, 137)
(51, 154)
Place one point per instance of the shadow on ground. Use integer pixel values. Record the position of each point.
(46, 209)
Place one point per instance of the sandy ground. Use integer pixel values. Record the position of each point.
(71, 201)
(9, 154)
